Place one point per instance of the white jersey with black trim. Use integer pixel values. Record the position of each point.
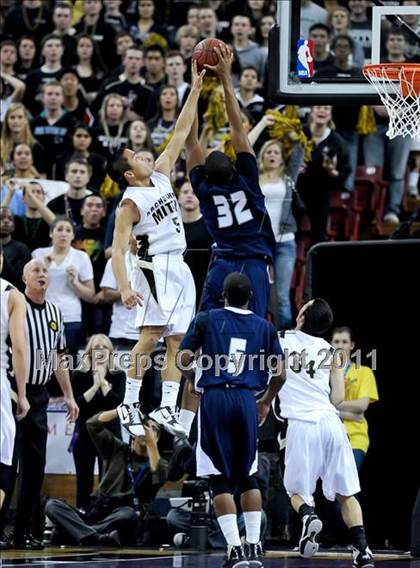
(306, 392)
(5, 289)
(160, 222)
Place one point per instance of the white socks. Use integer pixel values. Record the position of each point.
(229, 527)
(252, 526)
(186, 418)
(170, 391)
(132, 390)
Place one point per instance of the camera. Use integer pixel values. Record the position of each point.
(198, 491)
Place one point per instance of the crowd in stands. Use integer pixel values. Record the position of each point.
(81, 79)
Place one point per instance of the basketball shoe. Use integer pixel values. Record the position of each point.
(254, 553)
(362, 558)
(235, 558)
(168, 419)
(308, 545)
(131, 418)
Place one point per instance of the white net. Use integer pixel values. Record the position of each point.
(399, 89)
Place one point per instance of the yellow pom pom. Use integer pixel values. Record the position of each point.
(289, 131)
(155, 39)
(109, 188)
(367, 123)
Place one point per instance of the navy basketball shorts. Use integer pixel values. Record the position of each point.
(227, 433)
(254, 268)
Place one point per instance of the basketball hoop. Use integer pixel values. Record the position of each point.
(398, 85)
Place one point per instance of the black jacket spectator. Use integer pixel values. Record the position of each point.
(36, 22)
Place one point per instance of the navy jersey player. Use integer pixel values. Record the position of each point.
(236, 346)
(233, 205)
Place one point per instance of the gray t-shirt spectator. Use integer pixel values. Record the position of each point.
(311, 14)
(252, 55)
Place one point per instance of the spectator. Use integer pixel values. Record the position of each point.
(123, 41)
(395, 46)
(320, 35)
(15, 253)
(310, 14)
(155, 67)
(187, 38)
(62, 16)
(193, 16)
(52, 50)
(96, 388)
(207, 22)
(361, 26)
(379, 150)
(249, 100)
(140, 97)
(33, 229)
(277, 182)
(80, 145)
(110, 132)
(89, 66)
(263, 30)
(339, 22)
(113, 507)
(16, 129)
(114, 17)
(249, 53)
(77, 174)
(29, 17)
(164, 122)
(8, 57)
(27, 57)
(413, 20)
(342, 47)
(360, 392)
(70, 275)
(74, 102)
(256, 10)
(53, 127)
(197, 237)
(23, 163)
(326, 171)
(93, 24)
(146, 23)
(139, 136)
(11, 195)
(123, 331)
(12, 90)
(175, 71)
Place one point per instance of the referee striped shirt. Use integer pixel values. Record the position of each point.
(45, 338)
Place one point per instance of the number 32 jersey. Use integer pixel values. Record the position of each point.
(160, 217)
(235, 212)
(306, 392)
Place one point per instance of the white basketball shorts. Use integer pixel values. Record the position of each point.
(168, 289)
(319, 451)
(7, 422)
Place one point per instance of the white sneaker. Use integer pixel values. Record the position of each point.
(391, 218)
(131, 418)
(167, 418)
(308, 545)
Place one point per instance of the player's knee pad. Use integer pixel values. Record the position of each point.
(219, 484)
(248, 483)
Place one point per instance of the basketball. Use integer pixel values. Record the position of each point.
(204, 53)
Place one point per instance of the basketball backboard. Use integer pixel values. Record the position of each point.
(295, 79)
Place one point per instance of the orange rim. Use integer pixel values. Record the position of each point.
(392, 71)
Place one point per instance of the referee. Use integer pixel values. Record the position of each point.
(44, 335)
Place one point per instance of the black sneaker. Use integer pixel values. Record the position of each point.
(362, 558)
(5, 542)
(110, 540)
(235, 558)
(254, 553)
(27, 542)
(308, 545)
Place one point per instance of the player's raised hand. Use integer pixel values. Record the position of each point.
(130, 298)
(223, 67)
(196, 77)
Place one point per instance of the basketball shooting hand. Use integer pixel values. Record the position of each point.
(23, 407)
(130, 298)
(263, 409)
(196, 77)
(223, 68)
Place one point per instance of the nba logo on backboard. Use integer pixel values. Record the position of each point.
(305, 59)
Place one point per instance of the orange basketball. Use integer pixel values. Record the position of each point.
(204, 53)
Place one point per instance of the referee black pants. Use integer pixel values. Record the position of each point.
(33, 432)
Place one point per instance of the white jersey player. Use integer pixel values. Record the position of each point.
(13, 315)
(162, 287)
(317, 446)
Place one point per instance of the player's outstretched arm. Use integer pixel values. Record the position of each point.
(194, 150)
(17, 318)
(336, 382)
(172, 151)
(126, 217)
(240, 140)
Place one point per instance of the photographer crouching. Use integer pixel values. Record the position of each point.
(132, 475)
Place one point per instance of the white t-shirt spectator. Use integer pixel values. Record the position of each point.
(59, 290)
(122, 320)
(310, 15)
